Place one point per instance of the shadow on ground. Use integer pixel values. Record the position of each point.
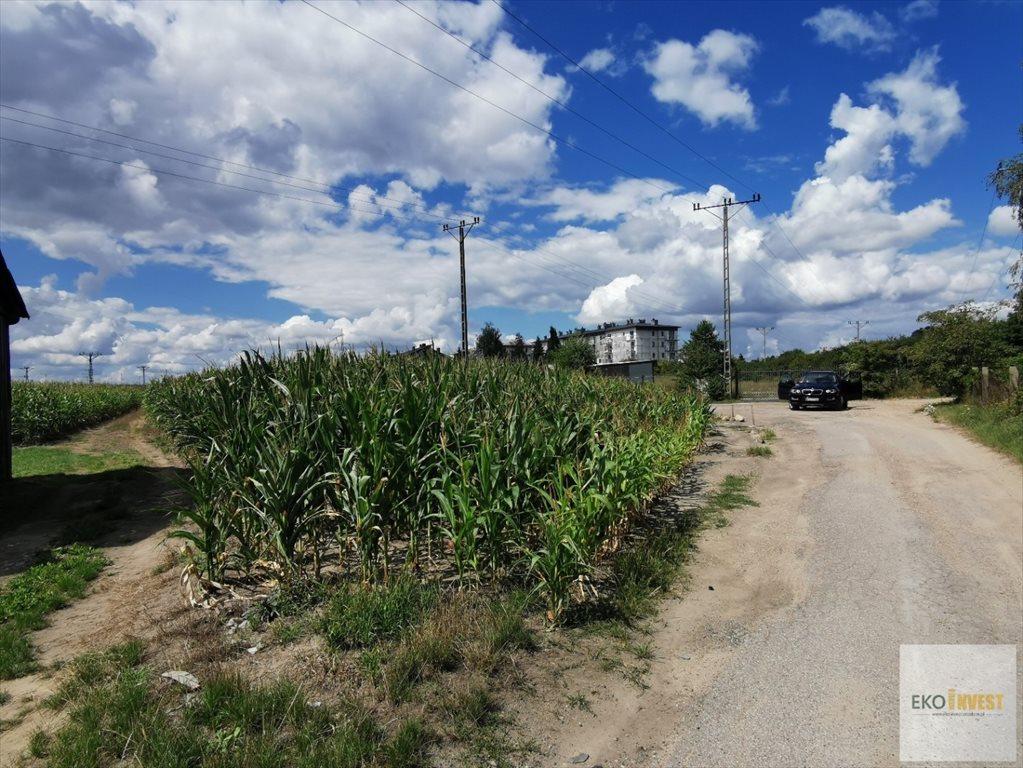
(112, 508)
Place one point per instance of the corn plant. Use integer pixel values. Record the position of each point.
(527, 473)
(45, 411)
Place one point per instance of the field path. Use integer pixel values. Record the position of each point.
(877, 527)
(133, 595)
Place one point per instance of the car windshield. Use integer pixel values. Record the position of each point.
(818, 379)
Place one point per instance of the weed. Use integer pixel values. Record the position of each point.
(286, 632)
(5, 697)
(996, 426)
(358, 618)
(767, 434)
(471, 709)
(371, 662)
(581, 702)
(643, 651)
(732, 494)
(119, 713)
(763, 451)
(39, 744)
(637, 675)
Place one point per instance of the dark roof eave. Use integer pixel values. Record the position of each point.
(12, 306)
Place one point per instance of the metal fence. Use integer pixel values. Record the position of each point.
(761, 385)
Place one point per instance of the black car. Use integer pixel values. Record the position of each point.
(820, 389)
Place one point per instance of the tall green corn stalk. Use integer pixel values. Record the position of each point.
(523, 472)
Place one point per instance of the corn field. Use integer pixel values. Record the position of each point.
(502, 470)
(45, 411)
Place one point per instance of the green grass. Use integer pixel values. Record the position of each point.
(763, 451)
(39, 460)
(358, 618)
(26, 600)
(119, 712)
(993, 425)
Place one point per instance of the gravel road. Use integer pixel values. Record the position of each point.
(911, 534)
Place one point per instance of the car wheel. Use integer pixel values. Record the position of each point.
(844, 404)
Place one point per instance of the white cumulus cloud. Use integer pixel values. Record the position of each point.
(1002, 222)
(598, 60)
(911, 104)
(609, 302)
(848, 29)
(699, 77)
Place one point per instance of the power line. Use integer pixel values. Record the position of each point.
(1004, 271)
(485, 100)
(983, 234)
(336, 206)
(324, 188)
(614, 93)
(648, 118)
(564, 105)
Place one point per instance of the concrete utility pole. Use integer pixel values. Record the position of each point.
(463, 232)
(91, 356)
(724, 206)
(26, 369)
(765, 331)
(143, 369)
(858, 323)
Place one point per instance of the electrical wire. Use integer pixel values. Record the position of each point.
(564, 105)
(648, 118)
(983, 234)
(484, 99)
(164, 172)
(1005, 271)
(324, 190)
(328, 187)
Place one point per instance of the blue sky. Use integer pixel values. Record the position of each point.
(180, 182)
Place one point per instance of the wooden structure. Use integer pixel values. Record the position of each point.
(12, 309)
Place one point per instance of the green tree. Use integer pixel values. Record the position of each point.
(553, 340)
(538, 350)
(488, 343)
(518, 348)
(1007, 181)
(702, 360)
(576, 352)
(955, 341)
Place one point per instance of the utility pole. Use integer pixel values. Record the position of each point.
(858, 323)
(143, 369)
(765, 331)
(91, 356)
(463, 232)
(724, 206)
(26, 369)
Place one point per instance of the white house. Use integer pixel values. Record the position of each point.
(631, 341)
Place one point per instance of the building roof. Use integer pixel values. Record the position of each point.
(12, 306)
(630, 323)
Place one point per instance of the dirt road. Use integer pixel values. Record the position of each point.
(877, 527)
